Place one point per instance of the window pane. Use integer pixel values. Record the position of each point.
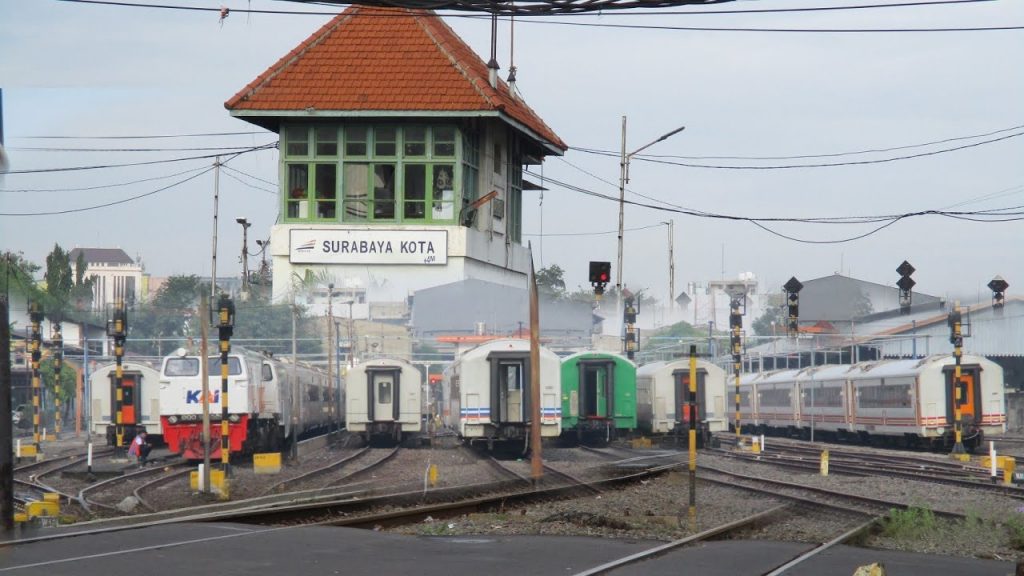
(357, 191)
(384, 392)
(326, 190)
(297, 138)
(384, 192)
(385, 141)
(415, 191)
(444, 192)
(416, 141)
(355, 141)
(444, 141)
(499, 158)
(326, 141)
(298, 180)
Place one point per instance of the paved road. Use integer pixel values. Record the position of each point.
(228, 549)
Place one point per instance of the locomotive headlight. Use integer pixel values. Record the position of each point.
(172, 419)
(234, 418)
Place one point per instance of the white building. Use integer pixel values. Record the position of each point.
(115, 275)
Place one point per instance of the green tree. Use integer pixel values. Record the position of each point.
(173, 315)
(16, 275)
(772, 314)
(59, 280)
(68, 379)
(551, 282)
(81, 291)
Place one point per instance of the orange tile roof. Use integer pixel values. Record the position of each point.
(388, 60)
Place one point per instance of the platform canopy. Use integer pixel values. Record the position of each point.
(522, 7)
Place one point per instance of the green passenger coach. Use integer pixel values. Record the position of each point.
(598, 395)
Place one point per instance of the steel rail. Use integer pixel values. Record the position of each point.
(659, 550)
(301, 477)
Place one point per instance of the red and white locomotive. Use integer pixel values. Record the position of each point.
(260, 403)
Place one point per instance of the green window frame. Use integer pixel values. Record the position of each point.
(366, 173)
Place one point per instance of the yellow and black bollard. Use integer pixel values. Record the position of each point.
(225, 327)
(36, 346)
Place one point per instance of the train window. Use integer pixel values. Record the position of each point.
(213, 366)
(181, 367)
(776, 398)
(268, 373)
(384, 392)
(831, 397)
(512, 380)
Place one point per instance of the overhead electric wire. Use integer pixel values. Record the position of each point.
(992, 215)
(146, 163)
(102, 186)
(246, 174)
(227, 149)
(624, 26)
(637, 229)
(806, 156)
(657, 160)
(108, 204)
(143, 137)
(244, 183)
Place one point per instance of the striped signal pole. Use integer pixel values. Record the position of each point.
(57, 341)
(117, 328)
(692, 407)
(956, 338)
(35, 314)
(225, 327)
(735, 329)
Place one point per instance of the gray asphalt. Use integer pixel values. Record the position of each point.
(226, 549)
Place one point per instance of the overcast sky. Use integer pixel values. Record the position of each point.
(71, 69)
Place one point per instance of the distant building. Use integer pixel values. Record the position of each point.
(710, 302)
(115, 275)
(402, 158)
(472, 308)
(839, 298)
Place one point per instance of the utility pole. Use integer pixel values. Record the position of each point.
(216, 203)
(245, 254)
(6, 424)
(330, 348)
(671, 268)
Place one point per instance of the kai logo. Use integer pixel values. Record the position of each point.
(306, 246)
(195, 397)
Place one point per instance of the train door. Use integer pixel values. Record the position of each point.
(383, 394)
(681, 378)
(131, 383)
(510, 376)
(596, 389)
(970, 392)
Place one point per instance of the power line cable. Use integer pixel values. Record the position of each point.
(102, 186)
(657, 160)
(141, 137)
(807, 156)
(108, 204)
(194, 149)
(246, 174)
(146, 163)
(597, 233)
(610, 25)
(244, 183)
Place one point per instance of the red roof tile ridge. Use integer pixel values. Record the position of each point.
(314, 39)
(425, 20)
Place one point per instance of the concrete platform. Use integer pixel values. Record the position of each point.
(228, 549)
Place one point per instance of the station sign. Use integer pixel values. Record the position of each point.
(362, 246)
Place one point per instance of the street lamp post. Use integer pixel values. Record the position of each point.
(245, 253)
(623, 180)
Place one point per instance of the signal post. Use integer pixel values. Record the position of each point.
(225, 328)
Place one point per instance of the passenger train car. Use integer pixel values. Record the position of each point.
(486, 392)
(598, 395)
(663, 390)
(140, 405)
(904, 402)
(384, 400)
(260, 403)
